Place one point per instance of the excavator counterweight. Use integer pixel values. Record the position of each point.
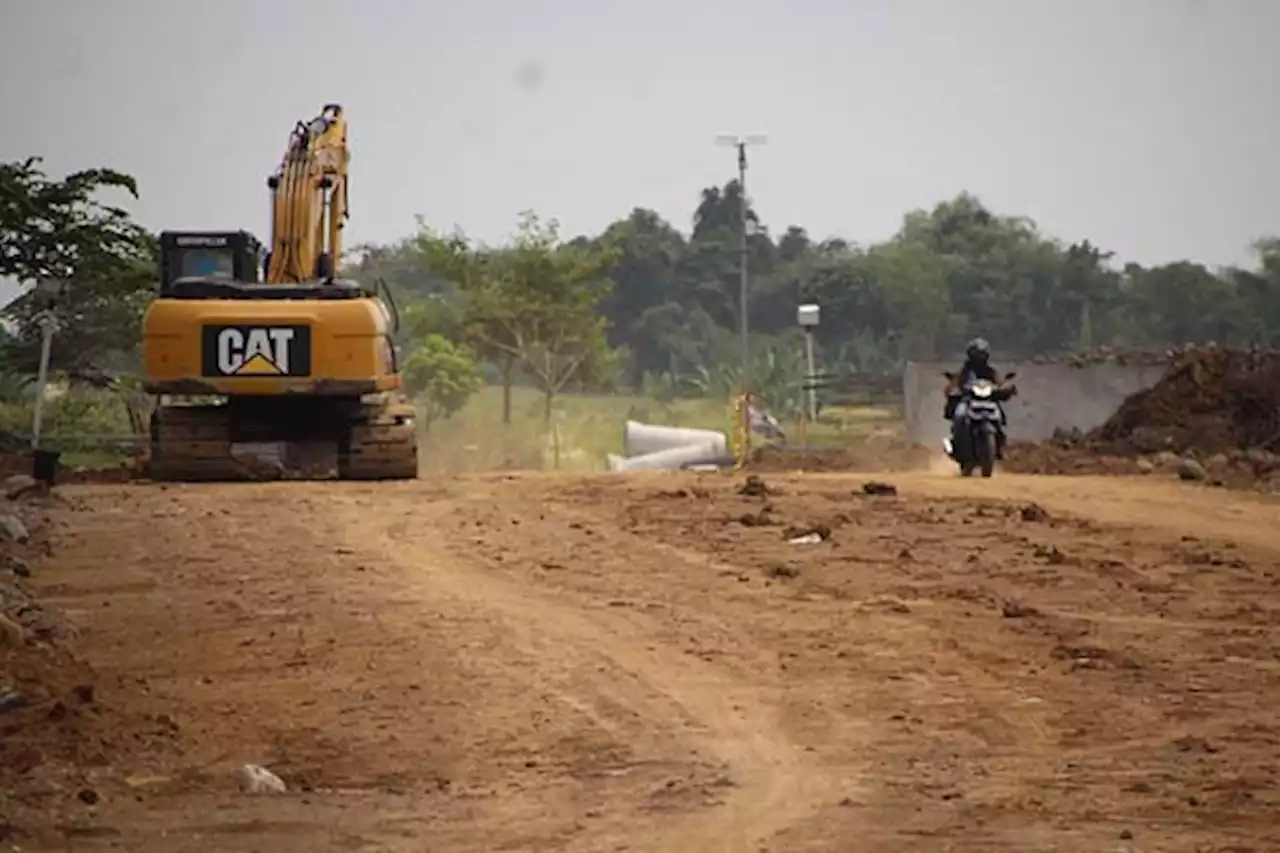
(266, 366)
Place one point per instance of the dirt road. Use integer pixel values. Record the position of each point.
(533, 663)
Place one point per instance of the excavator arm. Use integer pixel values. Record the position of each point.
(309, 201)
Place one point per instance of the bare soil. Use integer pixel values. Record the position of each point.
(650, 663)
(878, 454)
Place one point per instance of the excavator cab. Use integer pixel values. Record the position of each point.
(226, 256)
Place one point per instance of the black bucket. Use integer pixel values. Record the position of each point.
(44, 465)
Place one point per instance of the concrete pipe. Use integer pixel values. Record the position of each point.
(671, 459)
(640, 439)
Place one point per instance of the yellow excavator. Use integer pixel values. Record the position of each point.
(265, 365)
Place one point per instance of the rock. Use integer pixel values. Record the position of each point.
(874, 488)
(783, 572)
(1189, 469)
(1034, 512)
(1261, 461)
(808, 532)
(88, 796)
(11, 699)
(1017, 610)
(12, 528)
(18, 566)
(1051, 554)
(255, 779)
(754, 487)
(11, 633)
(755, 519)
(17, 485)
(1145, 466)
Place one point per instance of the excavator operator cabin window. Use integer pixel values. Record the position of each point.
(209, 263)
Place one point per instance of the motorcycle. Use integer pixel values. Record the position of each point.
(977, 427)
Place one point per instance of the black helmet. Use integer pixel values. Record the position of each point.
(978, 351)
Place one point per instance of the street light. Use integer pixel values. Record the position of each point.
(741, 143)
(807, 316)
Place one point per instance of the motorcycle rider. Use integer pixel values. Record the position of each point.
(977, 365)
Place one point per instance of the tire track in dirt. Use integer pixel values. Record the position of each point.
(950, 664)
(770, 784)
(1025, 720)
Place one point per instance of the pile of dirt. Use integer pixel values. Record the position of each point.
(1210, 400)
(1215, 409)
(1241, 469)
(56, 730)
(1026, 457)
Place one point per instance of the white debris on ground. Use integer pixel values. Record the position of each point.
(256, 779)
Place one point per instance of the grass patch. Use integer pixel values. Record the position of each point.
(80, 424)
(590, 426)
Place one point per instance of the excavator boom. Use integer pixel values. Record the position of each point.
(309, 200)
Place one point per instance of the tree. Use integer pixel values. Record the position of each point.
(400, 265)
(540, 304)
(442, 375)
(646, 275)
(533, 303)
(59, 230)
(480, 315)
(951, 271)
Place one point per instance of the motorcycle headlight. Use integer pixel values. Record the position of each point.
(982, 391)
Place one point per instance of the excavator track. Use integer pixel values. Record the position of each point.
(330, 440)
(383, 444)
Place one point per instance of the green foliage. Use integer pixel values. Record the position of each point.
(58, 230)
(86, 424)
(442, 375)
(532, 304)
(949, 273)
(431, 315)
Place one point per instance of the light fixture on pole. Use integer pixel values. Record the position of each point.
(808, 315)
(741, 143)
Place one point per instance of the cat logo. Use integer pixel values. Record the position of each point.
(257, 351)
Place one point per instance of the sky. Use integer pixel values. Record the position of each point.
(1151, 127)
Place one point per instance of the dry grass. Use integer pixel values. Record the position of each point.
(590, 426)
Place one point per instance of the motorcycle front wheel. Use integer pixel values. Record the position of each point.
(986, 448)
(963, 451)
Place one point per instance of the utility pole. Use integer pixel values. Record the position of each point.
(741, 143)
(808, 316)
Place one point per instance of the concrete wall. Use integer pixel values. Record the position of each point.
(1050, 396)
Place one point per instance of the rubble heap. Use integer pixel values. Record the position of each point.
(1210, 400)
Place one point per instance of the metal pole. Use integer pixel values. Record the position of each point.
(742, 263)
(740, 143)
(46, 347)
(813, 378)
